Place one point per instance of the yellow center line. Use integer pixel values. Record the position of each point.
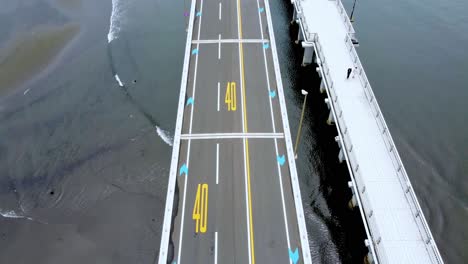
(252, 245)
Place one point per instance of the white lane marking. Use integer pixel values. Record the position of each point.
(292, 162)
(216, 249)
(247, 203)
(210, 41)
(230, 135)
(266, 71)
(219, 10)
(274, 130)
(219, 47)
(175, 150)
(218, 95)
(217, 163)
(189, 143)
(282, 198)
(243, 141)
(183, 206)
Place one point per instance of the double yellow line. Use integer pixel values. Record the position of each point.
(252, 245)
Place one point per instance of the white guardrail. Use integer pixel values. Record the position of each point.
(339, 5)
(358, 186)
(344, 16)
(303, 25)
(347, 146)
(395, 156)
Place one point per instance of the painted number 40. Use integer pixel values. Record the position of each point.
(200, 208)
(231, 98)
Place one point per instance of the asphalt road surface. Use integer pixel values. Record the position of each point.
(235, 199)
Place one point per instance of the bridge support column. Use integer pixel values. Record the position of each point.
(322, 86)
(368, 259)
(308, 53)
(318, 71)
(331, 118)
(353, 202)
(294, 18)
(300, 37)
(341, 156)
(327, 102)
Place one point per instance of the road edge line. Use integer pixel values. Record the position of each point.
(166, 230)
(292, 164)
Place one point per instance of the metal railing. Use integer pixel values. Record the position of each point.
(302, 23)
(348, 25)
(341, 10)
(359, 187)
(394, 155)
(347, 146)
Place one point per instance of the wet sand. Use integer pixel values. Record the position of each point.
(30, 53)
(71, 5)
(83, 163)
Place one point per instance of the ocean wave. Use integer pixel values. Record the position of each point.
(165, 135)
(117, 78)
(116, 19)
(12, 214)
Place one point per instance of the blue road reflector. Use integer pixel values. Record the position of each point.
(272, 94)
(281, 160)
(266, 45)
(183, 170)
(294, 256)
(261, 9)
(194, 51)
(189, 101)
(198, 14)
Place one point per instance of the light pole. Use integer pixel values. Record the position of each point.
(304, 92)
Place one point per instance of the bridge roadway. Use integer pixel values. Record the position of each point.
(236, 177)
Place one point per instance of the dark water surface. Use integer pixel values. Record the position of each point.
(84, 161)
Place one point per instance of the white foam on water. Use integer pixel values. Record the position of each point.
(166, 136)
(116, 19)
(12, 214)
(25, 92)
(117, 78)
